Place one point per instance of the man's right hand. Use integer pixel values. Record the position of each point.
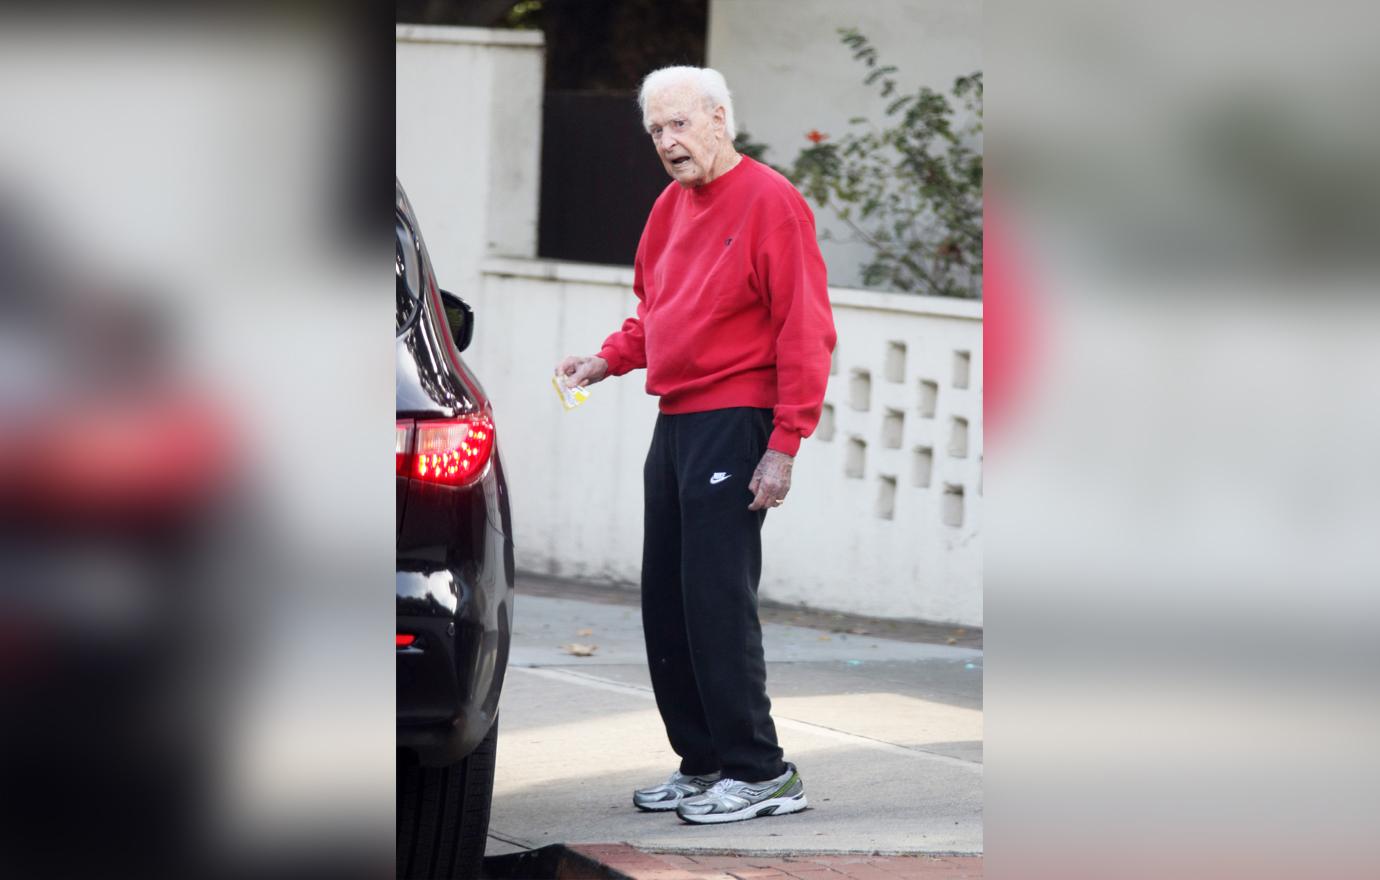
(581, 372)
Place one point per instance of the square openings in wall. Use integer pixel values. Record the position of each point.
(860, 390)
(893, 425)
(929, 398)
(886, 497)
(963, 365)
(922, 466)
(951, 510)
(958, 438)
(825, 431)
(855, 462)
(896, 362)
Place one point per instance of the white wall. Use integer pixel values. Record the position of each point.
(789, 73)
(576, 477)
(469, 142)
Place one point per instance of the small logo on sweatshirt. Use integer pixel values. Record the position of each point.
(728, 241)
(719, 477)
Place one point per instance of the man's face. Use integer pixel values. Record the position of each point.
(688, 137)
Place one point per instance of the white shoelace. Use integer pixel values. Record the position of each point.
(723, 785)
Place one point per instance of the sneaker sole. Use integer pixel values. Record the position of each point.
(772, 807)
(658, 807)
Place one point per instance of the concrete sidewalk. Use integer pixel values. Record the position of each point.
(887, 735)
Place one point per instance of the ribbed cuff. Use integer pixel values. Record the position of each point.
(784, 440)
(617, 366)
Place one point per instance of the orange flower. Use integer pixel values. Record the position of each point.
(815, 135)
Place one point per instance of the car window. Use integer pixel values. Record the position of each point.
(409, 273)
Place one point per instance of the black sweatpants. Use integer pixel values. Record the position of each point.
(701, 561)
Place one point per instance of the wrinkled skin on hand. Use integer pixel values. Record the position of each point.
(581, 372)
(771, 481)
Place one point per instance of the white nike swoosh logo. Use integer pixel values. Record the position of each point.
(719, 477)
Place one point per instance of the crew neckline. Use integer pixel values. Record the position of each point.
(708, 190)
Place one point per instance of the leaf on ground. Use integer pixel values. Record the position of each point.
(951, 641)
(825, 638)
(859, 631)
(585, 632)
(580, 650)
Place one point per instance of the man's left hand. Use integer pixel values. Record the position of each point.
(771, 481)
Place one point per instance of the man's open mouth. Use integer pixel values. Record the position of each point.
(681, 162)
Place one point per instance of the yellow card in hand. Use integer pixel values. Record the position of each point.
(570, 397)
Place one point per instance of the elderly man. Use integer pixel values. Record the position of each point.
(734, 327)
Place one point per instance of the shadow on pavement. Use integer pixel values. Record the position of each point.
(555, 861)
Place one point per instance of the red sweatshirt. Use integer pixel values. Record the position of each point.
(733, 304)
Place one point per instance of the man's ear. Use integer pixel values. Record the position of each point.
(720, 119)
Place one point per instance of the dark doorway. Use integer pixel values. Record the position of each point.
(599, 177)
(599, 172)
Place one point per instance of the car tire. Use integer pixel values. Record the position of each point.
(443, 814)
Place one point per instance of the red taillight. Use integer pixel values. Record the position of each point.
(453, 452)
(405, 639)
(403, 446)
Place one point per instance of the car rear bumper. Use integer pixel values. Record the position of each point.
(450, 677)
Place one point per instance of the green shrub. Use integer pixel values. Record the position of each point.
(911, 188)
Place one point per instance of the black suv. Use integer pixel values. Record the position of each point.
(454, 576)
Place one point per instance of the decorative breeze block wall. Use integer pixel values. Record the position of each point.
(895, 465)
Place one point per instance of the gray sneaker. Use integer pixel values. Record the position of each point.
(669, 794)
(730, 800)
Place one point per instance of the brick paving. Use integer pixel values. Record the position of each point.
(649, 865)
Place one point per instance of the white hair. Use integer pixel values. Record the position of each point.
(709, 82)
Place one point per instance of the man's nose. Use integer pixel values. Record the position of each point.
(665, 140)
